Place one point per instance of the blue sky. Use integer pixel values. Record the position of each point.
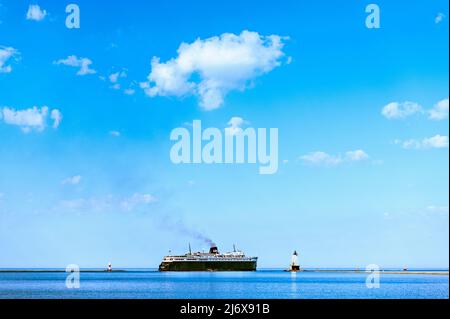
(89, 180)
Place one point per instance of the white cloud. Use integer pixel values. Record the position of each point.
(325, 159)
(400, 110)
(130, 203)
(30, 119)
(56, 116)
(114, 133)
(439, 17)
(35, 13)
(74, 61)
(321, 158)
(26, 119)
(72, 180)
(213, 67)
(235, 124)
(439, 111)
(6, 53)
(357, 155)
(129, 91)
(114, 77)
(437, 141)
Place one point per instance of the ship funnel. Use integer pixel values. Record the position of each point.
(213, 250)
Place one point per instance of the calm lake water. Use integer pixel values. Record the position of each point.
(259, 284)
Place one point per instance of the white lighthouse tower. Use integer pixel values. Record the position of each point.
(294, 262)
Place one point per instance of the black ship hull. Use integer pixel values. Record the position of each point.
(208, 266)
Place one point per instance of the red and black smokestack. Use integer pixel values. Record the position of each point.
(213, 250)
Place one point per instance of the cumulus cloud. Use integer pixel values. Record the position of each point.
(439, 18)
(35, 13)
(437, 141)
(400, 110)
(72, 180)
(213, 67)
(6, 53)
(74, 61)
(325, 159)
(34, 118)
(439, 111)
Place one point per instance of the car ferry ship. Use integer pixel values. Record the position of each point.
(211, 261)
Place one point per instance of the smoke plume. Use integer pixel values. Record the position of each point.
(180, 227)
